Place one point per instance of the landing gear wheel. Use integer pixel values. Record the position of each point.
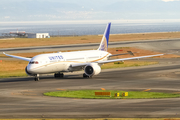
(61, 75)
(55, 75)
(58, 75)
(85, 76)
(36, 77)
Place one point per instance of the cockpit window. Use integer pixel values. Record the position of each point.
(33, 62)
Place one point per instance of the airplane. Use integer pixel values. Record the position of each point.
(90, 60)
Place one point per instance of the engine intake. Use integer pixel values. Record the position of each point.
(92, 69)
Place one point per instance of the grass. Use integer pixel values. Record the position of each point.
(15, 68)
(20, 73)
(89, 94)
(27, 42)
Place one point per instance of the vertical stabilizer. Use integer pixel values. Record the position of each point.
(104, 42)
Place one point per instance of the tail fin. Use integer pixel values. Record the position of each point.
(104, 42)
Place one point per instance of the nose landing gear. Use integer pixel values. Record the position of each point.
(36, 77)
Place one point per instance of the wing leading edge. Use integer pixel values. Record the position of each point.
(18, 57)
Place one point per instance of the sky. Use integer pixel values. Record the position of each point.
(88, 10)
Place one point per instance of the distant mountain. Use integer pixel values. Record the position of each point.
(38, 10)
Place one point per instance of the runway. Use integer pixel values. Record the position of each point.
(23, 97)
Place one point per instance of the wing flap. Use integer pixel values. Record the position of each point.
(18, 57)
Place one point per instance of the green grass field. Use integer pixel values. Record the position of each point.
(90, 94)
(17, 73)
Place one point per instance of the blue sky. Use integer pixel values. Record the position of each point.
(87, 10)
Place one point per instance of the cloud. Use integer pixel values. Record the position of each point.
(170, 0)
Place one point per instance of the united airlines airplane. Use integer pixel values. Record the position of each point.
(90, 61)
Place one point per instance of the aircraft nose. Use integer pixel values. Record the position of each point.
(29, 69)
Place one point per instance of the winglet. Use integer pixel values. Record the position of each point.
(104, 42)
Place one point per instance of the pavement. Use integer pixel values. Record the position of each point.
(23, 97)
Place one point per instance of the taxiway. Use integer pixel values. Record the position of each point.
(23, 97)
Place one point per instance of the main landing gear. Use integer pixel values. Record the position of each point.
(85, 76)
(36, 77)
(58, 75)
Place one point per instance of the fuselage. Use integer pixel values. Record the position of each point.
(60, 62)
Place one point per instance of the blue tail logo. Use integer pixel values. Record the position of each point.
(104, 42)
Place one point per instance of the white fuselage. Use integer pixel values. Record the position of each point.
(60, 62)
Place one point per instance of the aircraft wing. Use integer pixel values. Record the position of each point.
(18, 57)
(114, 60)
(131, 58)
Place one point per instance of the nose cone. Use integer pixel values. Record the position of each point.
(30, 69)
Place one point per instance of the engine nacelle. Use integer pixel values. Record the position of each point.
(28, 72)
(92, 69)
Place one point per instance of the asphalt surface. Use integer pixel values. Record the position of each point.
(23, 97)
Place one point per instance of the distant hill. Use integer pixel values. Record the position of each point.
(35, 10)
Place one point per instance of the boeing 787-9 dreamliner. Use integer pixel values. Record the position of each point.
(90, 61)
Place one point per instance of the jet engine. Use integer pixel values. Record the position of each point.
(92, 69)
(28, 72)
